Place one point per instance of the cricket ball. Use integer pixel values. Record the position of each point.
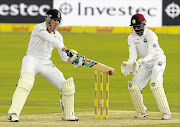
(111, 72)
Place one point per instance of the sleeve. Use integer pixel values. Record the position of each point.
(62, 54)
(43, 33)
(132, 49)
(153, 43)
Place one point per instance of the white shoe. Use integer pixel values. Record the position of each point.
(141, 115)
(73, 118)
(166, 117)
(13, 117)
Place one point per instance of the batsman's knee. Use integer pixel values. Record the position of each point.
(26, 81)
(68, 87)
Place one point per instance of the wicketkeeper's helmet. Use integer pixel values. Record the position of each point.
(138, 23)
(137, 20)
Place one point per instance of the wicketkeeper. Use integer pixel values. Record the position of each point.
(43, 40)
(151, 64)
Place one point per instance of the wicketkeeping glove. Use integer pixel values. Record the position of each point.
(127, 67)
(138, 64)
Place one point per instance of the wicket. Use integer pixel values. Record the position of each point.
(101, 95)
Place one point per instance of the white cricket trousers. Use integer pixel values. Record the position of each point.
(154, 70)
(45, 68)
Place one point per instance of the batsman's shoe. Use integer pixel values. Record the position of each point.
(166, 117)
(13, 117)
(73, 118)
(141, 115)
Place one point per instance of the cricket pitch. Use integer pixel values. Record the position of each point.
(86, 119)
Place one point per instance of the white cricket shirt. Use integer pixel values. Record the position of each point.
(42, 43)
(146, 46)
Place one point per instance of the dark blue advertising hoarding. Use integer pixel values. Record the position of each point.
(24, 11)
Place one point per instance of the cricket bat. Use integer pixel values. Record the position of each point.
(98, 66)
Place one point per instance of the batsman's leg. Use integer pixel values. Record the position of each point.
(67, 100)
(137, 100)
(20, 95)
(161, 100)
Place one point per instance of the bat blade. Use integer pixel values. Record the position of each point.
(98, 66)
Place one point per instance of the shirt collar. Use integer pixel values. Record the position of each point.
(45, 23)
(145, 32)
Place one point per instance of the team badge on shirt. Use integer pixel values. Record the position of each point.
(145, 40)
(160, 63)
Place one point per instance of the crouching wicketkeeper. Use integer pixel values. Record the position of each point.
(151, 64)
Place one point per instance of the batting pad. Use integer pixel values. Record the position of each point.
(68, 90)
(136, 97)
(160, 96)
(21, 93)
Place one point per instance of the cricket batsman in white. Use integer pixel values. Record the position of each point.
(151, 64)
(43, 40)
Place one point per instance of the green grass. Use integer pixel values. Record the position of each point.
(110, 49)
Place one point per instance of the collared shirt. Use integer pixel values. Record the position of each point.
(146, 46)
(42, 43)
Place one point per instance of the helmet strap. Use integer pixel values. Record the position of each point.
(49, 23)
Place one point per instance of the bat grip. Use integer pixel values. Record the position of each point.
(76, 61)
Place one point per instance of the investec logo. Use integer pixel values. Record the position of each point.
(67, 9)
(23, 9)
(173, 10)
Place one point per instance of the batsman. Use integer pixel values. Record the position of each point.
(44, 38)
(150, 65)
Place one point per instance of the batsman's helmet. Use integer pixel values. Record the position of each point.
(138, 20)
(53, 14)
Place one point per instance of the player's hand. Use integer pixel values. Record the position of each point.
(74, 58)
(138, 64)
(71, 52)
(140, 61)
(79, 62)
(127, 67)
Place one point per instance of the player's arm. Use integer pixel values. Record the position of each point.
(132, 50)
(151, 47)
(71, 53)
(74, 58)
(64, 56)
(44, 34)
(127, 67)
